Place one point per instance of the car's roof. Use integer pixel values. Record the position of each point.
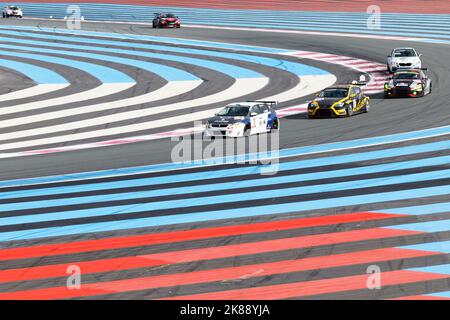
(243, 104)
(340, 86)
(404, 49)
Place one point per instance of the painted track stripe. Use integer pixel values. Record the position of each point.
(125, 183)
(429, 226)
(102, 73)
(441, 294)
(107, 208)
(315, 287)
(225, 274)
(227, 214)
(185, 235)
(292, 67)
(272, 245)
(169, 73)
(441, 269)
(435, 296)
(423, 209)
(38, 74)
(381, 140)
(171, 89)
(32, 91)
(233, 92)
(101, 90)
(441, 246)
(230, 93)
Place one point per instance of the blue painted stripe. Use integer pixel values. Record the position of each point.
(226, 173)
(439, 246)
(416, 25)
(440, 269)
(295, 68)
(37, 74)
(429, 226)
(104, 74)
(121, 36)
(445, 294)
(169, 73)
(415, 149)
(236, 213)
(183, 203)
(423, 209)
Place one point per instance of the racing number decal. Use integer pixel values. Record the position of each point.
(260, 121)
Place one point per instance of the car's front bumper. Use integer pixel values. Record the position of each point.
(224, 132)
(326, 112)
(170, 25)
(403, 92)
(400, 68)
(14, 14)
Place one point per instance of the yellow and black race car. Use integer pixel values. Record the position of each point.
(339, 101)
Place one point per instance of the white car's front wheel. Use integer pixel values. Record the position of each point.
(275, 125)
(247, 131)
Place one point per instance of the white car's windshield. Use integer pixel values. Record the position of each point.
(13, 8)
(234, 111)
(404, 53)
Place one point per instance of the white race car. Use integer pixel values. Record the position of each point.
(243, 119)
(12, 11)
(403, 58)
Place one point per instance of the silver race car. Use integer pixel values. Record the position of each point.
(12, 11)
(403, 59)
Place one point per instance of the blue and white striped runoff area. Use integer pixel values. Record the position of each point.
(107, 90)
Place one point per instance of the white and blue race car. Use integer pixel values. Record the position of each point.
(243, 119)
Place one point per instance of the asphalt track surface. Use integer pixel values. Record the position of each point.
(318, 246)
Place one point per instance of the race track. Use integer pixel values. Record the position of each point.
(343, 198)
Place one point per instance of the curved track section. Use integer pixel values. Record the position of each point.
(348, 193)
(194, 83)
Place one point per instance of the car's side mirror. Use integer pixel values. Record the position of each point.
(420, 54)
(253, 114)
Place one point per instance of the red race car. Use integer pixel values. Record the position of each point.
(166, 20)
